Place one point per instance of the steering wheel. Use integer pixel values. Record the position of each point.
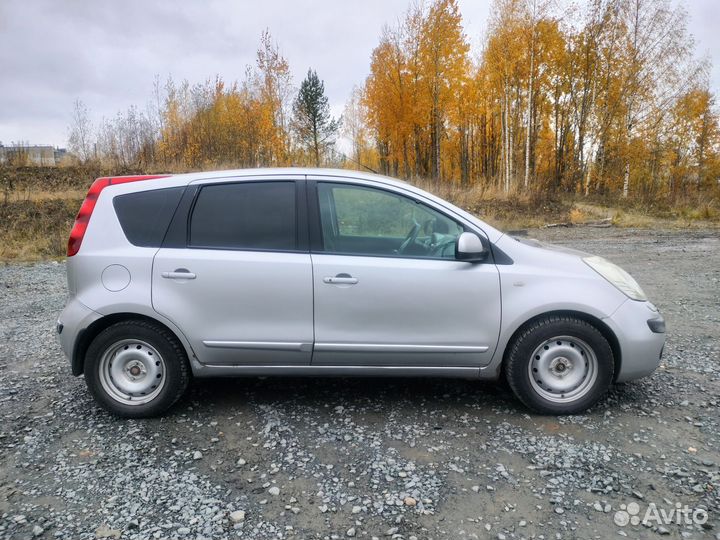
(411, 236)
(440, 247)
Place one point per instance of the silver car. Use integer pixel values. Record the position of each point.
(332, 272)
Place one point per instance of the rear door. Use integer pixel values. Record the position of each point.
(235, 273)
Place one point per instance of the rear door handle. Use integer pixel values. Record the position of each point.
(180, 273)
(340, 279)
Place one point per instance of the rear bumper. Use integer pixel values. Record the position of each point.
(640, 330)
(73, 321)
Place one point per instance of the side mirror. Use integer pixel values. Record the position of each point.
(470, 248)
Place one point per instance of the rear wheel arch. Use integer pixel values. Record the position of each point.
(87, 336)
(599, 325)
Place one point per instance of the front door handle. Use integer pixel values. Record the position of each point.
(341, 279)
(180, 273)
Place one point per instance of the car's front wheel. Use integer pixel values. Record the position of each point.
(136, 369)
(559, 365)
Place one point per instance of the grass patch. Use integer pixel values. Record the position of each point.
(19, 180)
(629, 216)
(42, 195)
(34, 230)
(506, 211)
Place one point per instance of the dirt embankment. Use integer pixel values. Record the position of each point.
(37, 208)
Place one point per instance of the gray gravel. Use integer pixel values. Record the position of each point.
(329, 458)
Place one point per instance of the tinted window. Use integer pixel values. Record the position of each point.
(145, 216)
(368, 221)
(257, 215)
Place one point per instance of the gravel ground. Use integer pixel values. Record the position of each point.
(332, 458)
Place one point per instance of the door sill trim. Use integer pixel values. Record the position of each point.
(457, 372)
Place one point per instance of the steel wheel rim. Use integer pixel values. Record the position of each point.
(563, 369)
(132, 372)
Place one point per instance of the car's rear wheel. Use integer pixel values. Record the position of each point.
(559, 365)
(136, 369)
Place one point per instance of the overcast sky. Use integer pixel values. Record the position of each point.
(107, 54)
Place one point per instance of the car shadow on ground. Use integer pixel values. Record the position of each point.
(419, 394)
(322, 392)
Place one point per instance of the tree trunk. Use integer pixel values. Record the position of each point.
(626, 179)
(316, 146)
(464, 157)
(507, 138)
(435, 140)
(531, 81)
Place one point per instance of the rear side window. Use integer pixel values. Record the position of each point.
(247, 215)
(144, 216)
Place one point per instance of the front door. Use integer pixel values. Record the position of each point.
(388, 289)
(241, 289)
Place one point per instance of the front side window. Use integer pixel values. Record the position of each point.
(245, 215)
(358, 220)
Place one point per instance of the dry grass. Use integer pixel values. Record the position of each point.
(33, 230)
(38, 205)
(42, 195)
(705, 210)
(506, 211)
(577, 216)
(632, 217)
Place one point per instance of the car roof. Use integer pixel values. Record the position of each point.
(286, 171)
(302, 173)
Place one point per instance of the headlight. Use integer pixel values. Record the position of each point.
(617, 276)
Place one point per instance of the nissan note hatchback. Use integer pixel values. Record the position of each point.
(324, 272)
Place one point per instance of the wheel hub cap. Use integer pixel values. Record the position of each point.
(563, 369)
(560, 367)
(135, 370)
(132, 372)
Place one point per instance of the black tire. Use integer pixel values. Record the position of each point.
(535, 350)
(172, 372)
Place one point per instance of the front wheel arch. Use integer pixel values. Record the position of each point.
(603, 328)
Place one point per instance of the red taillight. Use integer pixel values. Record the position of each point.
(88, 205)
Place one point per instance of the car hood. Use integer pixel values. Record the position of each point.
(551, 247)
(546, 257)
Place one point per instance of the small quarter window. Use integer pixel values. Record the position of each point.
(145, 215)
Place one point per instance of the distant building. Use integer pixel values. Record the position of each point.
(41, 155)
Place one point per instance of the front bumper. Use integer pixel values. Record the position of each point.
(640, 330)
